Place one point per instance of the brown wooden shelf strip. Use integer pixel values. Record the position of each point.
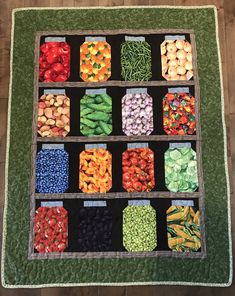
(111, 195)
(114, 255)
(117, 83)
(118, 138)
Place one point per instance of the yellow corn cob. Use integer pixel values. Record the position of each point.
(184, 235)
(196, 218)
(190, 245)
(197, 233)
(171, 209)
(191, 210)
(175, 241)
(179, 216)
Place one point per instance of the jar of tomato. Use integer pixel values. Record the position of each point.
(95, 169)
(51, 227)
(52, 169)
(179, 112)
(95, 59)
(95, 227)
(54, 60)
(138, 168)
(181, 168)
(139, 226)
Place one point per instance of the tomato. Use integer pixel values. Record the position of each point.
(127, 184)
(151, 172)
(48, 74)
(52, 58)
(45, 47)
(126, 177)
(60, 78)
(142, 178)
(126, 163)
(134, 160)
(138, 170)
(57, 67)
(133, 154)
(125, 169)
(131, 170)
(125, 155)
(137, 186)
(142, 164)
(134, 179)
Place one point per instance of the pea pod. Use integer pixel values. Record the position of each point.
(99, 99)
(100, 107)
(98, 116)
(88, 122)
(107, 128)
(85, 111)
(107, 99)
(87, 131)
(87, 100)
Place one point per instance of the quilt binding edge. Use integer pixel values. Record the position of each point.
(4, 233)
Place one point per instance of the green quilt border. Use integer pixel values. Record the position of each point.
(215, 269)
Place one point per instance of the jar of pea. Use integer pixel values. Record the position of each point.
(139, 226)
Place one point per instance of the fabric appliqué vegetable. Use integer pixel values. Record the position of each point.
(138, 170)
(137, 114)
(176, 60)
(183, 229)
(139, 228)
(96, 115)
(53, 115)
(179, 114)
(50, 229)
(95, 171)
(181, 170)
(136, 61)
(95, 61)
(54, 62)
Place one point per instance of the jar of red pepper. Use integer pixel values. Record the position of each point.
(179, 112)
(51, 227)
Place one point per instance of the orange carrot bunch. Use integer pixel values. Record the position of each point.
(95, 61)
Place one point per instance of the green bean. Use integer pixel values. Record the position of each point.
(136, 60)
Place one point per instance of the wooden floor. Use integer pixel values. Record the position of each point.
(226, 10)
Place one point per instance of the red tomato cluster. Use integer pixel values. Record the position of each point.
(51, 229)
(138, 170)
(54, 62)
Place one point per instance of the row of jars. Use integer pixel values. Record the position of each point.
(95, 168)
(96, 113)
(135, 59)
(95, 227)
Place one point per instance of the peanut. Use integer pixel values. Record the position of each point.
(64, 118)
(44, 128)
(48, 112)
(40, 112)
(53, 115)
